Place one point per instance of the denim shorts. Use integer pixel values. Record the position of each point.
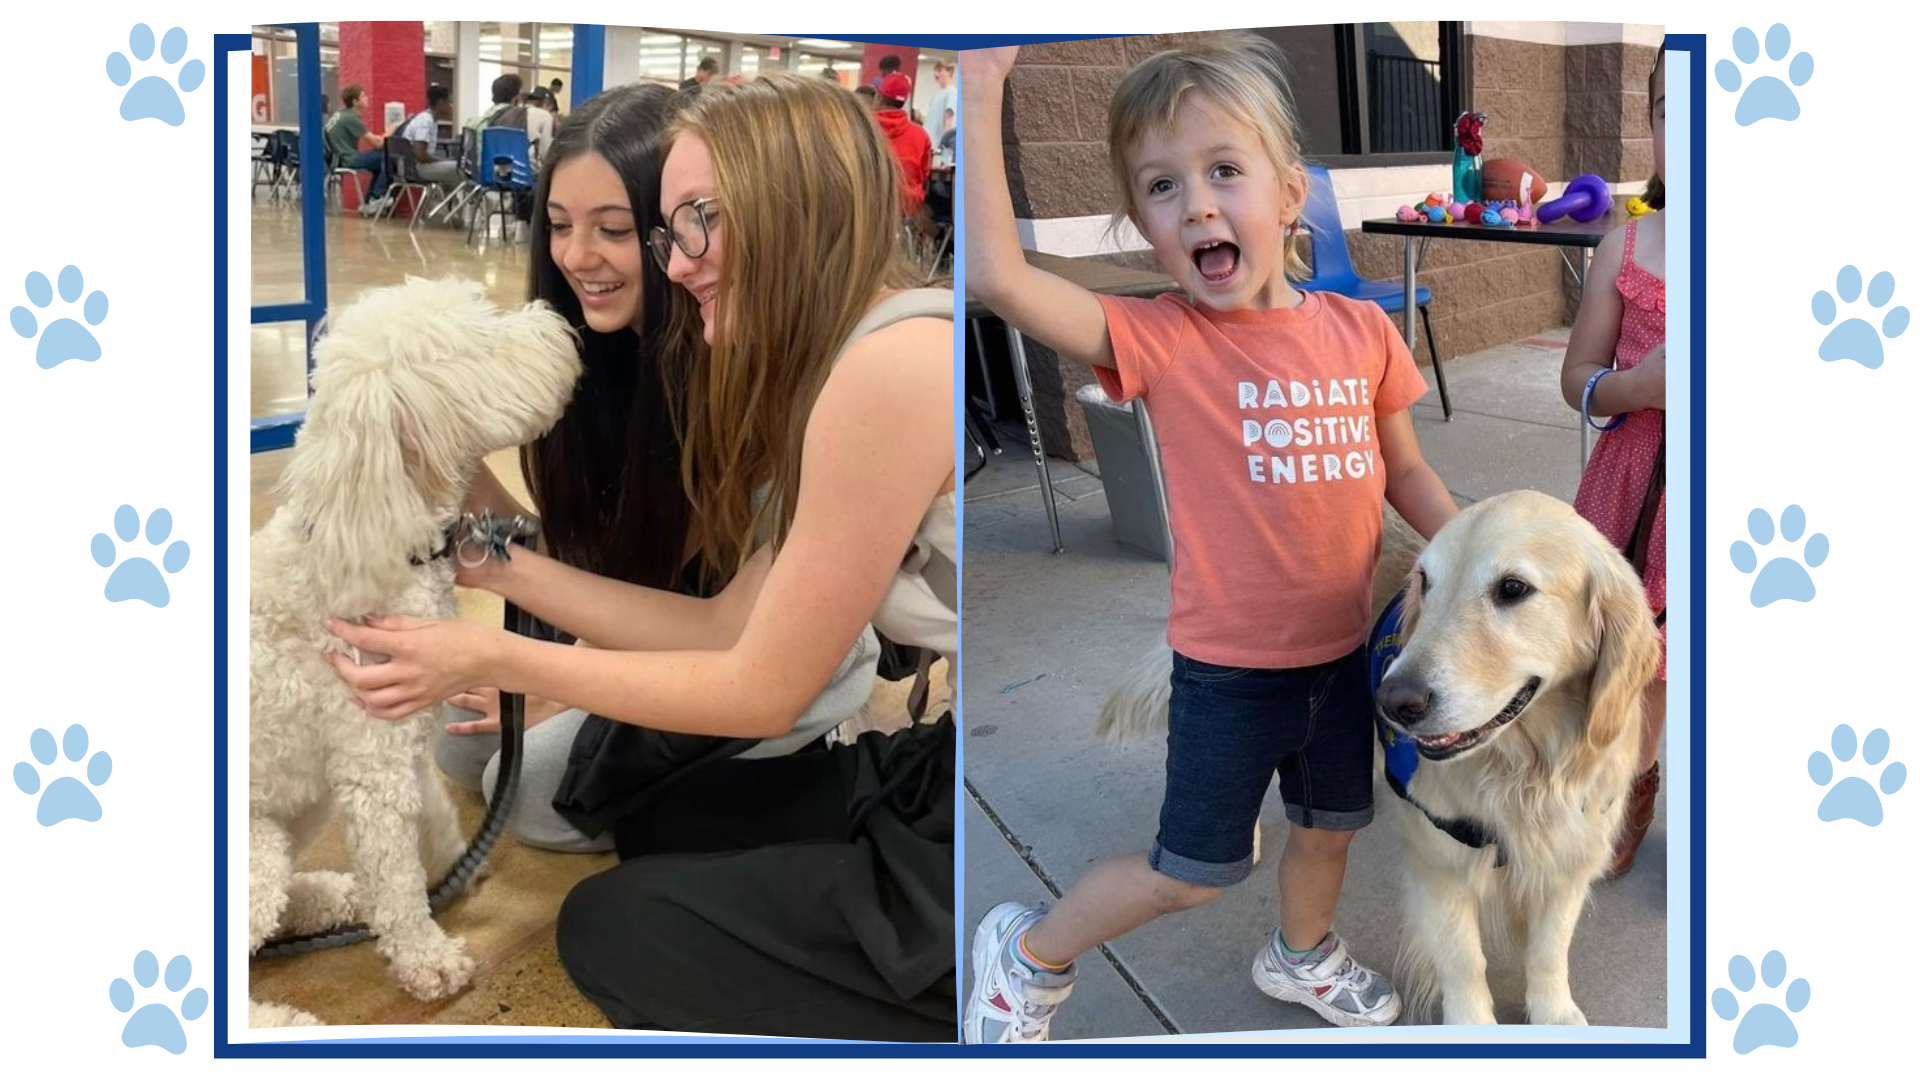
(1230, 729)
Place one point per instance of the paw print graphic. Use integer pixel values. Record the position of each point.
(1766, 97)
(1853, 798)
(1783, 578)
(153, 97)
(137, 578)
(65, 798)
(155, 1024)
(1764, 1024)
(1856, 339)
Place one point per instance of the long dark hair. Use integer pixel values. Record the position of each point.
(606, 479)
(1656, 195)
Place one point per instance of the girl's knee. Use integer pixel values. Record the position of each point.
(1320, 841)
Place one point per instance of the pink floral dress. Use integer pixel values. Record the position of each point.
(1614, 487)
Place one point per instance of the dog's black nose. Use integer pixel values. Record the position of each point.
(1403, 701)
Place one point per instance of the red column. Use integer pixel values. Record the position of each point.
(870, 62)
(387, 59)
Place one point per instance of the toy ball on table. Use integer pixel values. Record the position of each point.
(1500, 181)
(1490, 217)
(1636, 206)
(1437, 214)
(1475, 211)
(1436, 199)
(1508, 215)
(1586, 199)
(1456, 211)
(1409, 215)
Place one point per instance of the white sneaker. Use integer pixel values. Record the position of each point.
(1331, 982)
(1009, 1003)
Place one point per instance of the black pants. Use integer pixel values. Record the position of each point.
(805, 896)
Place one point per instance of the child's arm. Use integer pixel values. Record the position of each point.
(1413, 488)
(1050, 309)
(1596, 330)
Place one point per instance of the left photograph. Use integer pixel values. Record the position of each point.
(603, 587)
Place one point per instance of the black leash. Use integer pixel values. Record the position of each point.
(494, 536)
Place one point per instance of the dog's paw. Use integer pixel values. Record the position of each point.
(316, 901)
(261, 1015)
(434, 972)
(1564, 1013)
(1479, 1015)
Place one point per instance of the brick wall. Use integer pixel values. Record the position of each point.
(1563, 109)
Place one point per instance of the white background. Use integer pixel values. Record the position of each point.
(131, 205)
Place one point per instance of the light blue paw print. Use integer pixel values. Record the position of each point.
(1766, 96)
(153, 96)
(1853, 798)
(64, 339)
(66, 799)
(1783, 578)
(1856, 339)
(136, 578)
(155, 1024)
(1764, 1024)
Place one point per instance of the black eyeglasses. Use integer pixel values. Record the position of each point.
(679, 231)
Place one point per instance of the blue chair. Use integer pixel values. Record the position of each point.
(506, 170)
(1333, 270)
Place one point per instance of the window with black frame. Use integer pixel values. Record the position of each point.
(1385, 92)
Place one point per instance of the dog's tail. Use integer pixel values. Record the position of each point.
(1137, 709)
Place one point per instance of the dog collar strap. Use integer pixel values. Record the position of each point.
(1402, 758)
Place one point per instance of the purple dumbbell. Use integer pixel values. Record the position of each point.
(1586, 199)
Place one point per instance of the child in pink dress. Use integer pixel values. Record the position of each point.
(1623, 319)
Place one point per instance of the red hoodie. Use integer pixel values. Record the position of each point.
(913, 150)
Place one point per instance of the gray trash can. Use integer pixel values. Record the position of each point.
(1125, 473)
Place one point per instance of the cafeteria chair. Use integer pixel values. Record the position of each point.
(403, 175)
(1333, 270)
(283, 151)
(469, 185)
(506, 171)
(335, 184)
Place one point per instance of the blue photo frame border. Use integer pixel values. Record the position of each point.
(608, 1046)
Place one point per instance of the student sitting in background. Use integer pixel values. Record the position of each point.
(344, 132)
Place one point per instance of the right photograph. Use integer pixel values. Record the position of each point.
(1315, 531)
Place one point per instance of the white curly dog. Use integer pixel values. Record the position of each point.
(413, 386)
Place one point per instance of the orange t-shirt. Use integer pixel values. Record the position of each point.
(1267, 422)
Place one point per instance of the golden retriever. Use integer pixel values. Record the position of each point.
(1526, 643)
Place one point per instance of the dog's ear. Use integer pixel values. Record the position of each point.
(349, 482)
(1410, 607)
(1628, 655)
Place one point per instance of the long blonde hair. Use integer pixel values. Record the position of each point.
(809, 199)
(1239, 72)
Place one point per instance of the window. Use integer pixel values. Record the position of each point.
(276, 103)
(1385, 92)
(662, 57)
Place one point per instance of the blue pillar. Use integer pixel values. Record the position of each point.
(589, 63)
(276, 432)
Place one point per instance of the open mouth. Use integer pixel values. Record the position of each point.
(1454, 743)
(596, 291)
(1216, 260)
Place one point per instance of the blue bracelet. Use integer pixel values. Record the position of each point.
(1586, 403)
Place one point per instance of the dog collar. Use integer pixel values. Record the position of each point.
(1402, 757)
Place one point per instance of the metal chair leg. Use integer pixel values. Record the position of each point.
(1439, 374)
